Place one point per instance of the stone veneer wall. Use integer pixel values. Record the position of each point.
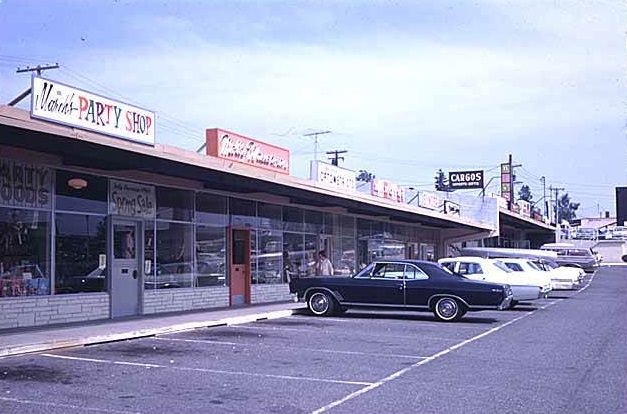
(270, 293)
(176, 300)
(26, 311)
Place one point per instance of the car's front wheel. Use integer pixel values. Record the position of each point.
(448, 309)
(321, 303)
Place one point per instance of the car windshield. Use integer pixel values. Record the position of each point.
(534, 265)
(502, 266)
(365, 272)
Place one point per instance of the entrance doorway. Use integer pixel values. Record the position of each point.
(427, 252)
(411, 250)
(125, 270)
(240, 267)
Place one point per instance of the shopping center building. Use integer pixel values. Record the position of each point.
(96, 223)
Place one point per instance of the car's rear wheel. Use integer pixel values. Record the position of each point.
(321, 303)
(448, 309)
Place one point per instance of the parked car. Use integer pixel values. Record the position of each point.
(606, 234)
(401, 284)
(523, 287)
(568, 255)
(562, 277)
(527, 265)
(586, 233)
(619, 232)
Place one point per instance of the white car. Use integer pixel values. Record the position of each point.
(524, 288)
(527, 266)
(562, 277)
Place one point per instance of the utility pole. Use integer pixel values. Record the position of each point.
(512, 178)
(543, 179)
(28, 91)
(315, 135)
(558, 226)
(335, 156)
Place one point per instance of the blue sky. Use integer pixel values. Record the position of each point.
(406, 87)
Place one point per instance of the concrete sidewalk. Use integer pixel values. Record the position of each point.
(17, 342)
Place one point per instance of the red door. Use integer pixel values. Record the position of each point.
(240, 267)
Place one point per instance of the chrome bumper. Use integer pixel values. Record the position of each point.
(506, 302)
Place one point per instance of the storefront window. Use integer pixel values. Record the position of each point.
(174, 204)
(174, 266)
(313, 222)
(292, 219)
(270, 216)
(243, 213)
(310, 254)
(348, 226)
(294, 262)
(269, 257)
(80, 192)
(211, 209)
(331, 224)
(80, 253)
(24, 252)
(210, 256)
(149, 254)
(346, 265)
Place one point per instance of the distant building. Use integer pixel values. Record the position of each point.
(621, 206)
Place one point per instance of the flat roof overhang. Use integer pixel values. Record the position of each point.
(79, 148)
(510, 219)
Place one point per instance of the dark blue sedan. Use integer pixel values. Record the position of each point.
(401, 284)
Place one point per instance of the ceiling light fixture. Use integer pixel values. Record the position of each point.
(77, 183)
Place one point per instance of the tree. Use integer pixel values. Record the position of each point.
(525, 193)
(365, 176)
(441, 182)
(567, 209)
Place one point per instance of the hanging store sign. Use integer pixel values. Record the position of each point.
(230, 146)
(506, 185)
(466, 180)
(429, 200)
(525, 207)
(333, 176)
(25, 185)
(53, 101)
(502, 201)
(387, 190)
(451, 208)
(132, 199)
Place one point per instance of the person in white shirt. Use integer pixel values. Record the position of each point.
(324, 266)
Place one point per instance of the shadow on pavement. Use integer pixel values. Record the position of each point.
(425, 317)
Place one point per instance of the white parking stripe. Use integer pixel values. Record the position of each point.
(424, 361)
(328, 351)
(81, 408)
(438, 355)
(102, 361)
(212, 371)
(318, 332)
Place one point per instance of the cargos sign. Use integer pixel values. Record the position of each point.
(466, 180)
(53, 101)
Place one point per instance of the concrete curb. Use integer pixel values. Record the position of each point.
(140, 333)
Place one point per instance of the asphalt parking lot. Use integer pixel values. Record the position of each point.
(561, 354)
